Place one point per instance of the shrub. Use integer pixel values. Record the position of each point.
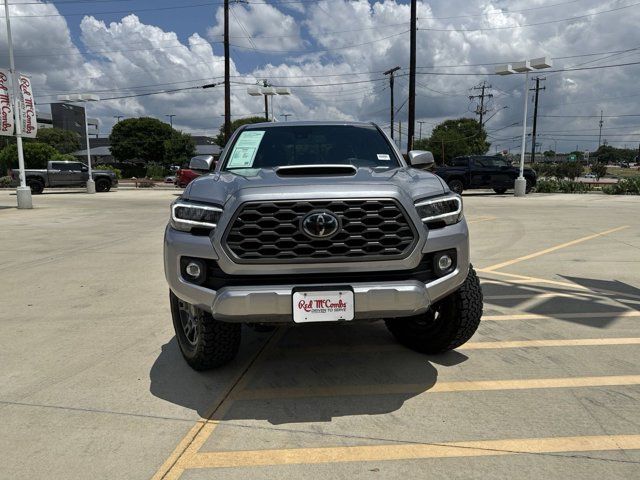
(570, 170)
(146, 183)
(626, 186)
(155, 171)
(561, 186)
(5, 182)
(115, 170)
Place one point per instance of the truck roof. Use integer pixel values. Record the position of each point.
(306, 123)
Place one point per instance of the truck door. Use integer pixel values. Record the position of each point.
(503, 174)
(70, 174)
(479, 173)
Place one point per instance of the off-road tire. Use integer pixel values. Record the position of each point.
(103, 185)
(35, 185)
(456, 185)
(217, 342)
(449, 323)
(499, 191)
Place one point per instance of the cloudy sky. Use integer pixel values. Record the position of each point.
(331, 53)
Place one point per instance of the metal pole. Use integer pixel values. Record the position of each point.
(91, 185)
(23, 193)
(266, 107)
(227, 83)
(412, 76)
(420, 122)
(599, 135)
(520, 183)
(390, 72)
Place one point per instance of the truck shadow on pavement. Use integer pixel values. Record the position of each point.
(314, 374)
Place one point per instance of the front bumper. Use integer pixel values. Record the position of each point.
(265, 302)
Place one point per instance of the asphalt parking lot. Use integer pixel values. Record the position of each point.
(92, 384)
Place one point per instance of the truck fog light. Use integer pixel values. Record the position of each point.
(445, 262)
(193, 270)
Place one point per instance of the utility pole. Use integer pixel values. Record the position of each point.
(227, 83)
(266, 101)
(170, 119)
(400, 134)
(535, 117)
(442, 151)
(480, 110)
(412, 76)
(390, 73)
(420, 134)
(23, 193)
(118, 117)
(600, 134)
(286, 116)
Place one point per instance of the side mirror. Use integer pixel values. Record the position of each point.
(420, 158)
(84, 169)
(201, 162)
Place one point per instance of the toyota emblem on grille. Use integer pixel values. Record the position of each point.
(320, 224)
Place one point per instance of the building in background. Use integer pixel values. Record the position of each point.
(69, 117)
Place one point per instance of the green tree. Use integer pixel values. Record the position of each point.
(179, 148)
(219, 140)
(453, 138)
(36, 155)
(549, 154)
(579, 155)
(570, 170)
(140, 138)
(599, 169)
(65, 141)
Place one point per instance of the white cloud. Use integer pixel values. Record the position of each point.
(130, 57)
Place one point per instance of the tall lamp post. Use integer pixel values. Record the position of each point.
(82, 98)
(525, 67)
(267, 90)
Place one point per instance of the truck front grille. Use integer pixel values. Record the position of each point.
(271, 232)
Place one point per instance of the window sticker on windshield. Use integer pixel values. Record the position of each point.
(245, 149)
(384, 156)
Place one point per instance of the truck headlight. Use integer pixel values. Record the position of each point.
(441, 211)
(187, 216)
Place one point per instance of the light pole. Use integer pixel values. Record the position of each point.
(420, 134)
(286, 116)
(390, 72)
(23, 193)
(267, 90)
(170, 119)
(118, 117)
(525, 67)
(82, 98)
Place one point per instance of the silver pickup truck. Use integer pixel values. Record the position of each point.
(66, 174)
(318, 222)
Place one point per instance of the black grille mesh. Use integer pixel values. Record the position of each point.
(270, 232)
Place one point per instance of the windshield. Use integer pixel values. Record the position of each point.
(360, 146)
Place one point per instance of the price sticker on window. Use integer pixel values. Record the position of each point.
(245, 149)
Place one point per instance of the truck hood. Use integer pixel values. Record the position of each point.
(219, 187)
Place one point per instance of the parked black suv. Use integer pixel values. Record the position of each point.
(481, 171)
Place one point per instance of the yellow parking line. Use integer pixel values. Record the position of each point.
(552, 249)
(574, 286)
(396, 347)
(298, 456)
(440, 387)
(578, 342)
(561, 316)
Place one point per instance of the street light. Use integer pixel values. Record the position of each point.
(170, 118)
(525, 67)
(82, 98)
(267, 90)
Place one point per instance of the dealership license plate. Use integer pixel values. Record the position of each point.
(322, 305)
